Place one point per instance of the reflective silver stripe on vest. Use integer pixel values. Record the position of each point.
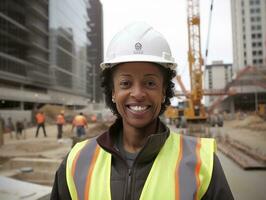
(186, 173)
(82, 166)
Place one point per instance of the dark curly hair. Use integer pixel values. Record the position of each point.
(108, 85)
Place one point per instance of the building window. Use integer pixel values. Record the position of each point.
(254, 44)
(245, 62)
(259, 35)
(254, 62)
(254, 10)
(210, 73)
(254, 53)
(260, 52)
(260, 61)
(259, 44)
(253, 35)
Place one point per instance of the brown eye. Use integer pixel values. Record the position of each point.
(124, 84)
(151, 84)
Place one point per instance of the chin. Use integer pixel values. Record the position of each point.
(141, 123)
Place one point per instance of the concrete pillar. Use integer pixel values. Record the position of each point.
(232, 106)
(1, 131)
(21, 105)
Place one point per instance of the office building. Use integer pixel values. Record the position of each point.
(249, 50)
(95, 50)
(216, 76)
(44, 52)
(249, 33)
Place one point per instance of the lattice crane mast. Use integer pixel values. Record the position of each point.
(194, 110)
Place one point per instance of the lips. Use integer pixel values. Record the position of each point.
(138, 108)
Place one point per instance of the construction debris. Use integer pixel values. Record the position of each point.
(245, 156)
(251, 120)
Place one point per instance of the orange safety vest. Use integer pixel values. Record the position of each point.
(60, 119)
(40, 118)
(80, 120)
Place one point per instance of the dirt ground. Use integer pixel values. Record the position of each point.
(249, 130)
(43, 147)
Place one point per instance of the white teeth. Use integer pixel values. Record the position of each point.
(138, 108)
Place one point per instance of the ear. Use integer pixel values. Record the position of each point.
(163, 99)
(113, 96)
(163, 95)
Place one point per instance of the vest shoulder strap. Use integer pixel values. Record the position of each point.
(77, 166)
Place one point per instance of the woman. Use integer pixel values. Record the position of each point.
(138, 157)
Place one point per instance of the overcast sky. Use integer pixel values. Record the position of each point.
(169, 17)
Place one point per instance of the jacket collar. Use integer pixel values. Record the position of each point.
(150, 149)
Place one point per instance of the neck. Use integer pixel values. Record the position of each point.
(135, 138)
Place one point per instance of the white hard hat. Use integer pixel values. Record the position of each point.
(138, 42)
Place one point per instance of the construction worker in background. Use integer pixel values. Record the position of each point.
(19, 129)
(94, 118)
(40, 120)
(60, 121)
(139, 157)
(80, 122)
(10, 127)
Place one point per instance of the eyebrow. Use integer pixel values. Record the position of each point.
(151, 75)
(144, 75)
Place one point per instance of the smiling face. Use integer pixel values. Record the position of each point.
(138, 93)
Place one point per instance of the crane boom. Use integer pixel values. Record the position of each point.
(192, 108)
(194, 54)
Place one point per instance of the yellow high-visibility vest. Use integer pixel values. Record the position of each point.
(181, 171)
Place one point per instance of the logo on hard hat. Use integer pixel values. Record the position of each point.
(138, 48)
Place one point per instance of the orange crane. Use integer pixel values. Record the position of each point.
(193, 109)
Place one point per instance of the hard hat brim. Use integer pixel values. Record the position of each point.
(139, 58)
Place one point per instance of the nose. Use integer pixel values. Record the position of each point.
(138, 92)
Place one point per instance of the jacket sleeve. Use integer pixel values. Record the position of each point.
(218, 188)
(60, 190)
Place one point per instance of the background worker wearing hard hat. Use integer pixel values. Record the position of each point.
(139, 157)
(80, 122)
(40, 119)
(60, 121)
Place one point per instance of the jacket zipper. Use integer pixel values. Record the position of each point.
(127, 193)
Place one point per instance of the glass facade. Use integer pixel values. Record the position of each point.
(68, 44)
(45, 50)
(24, 41)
